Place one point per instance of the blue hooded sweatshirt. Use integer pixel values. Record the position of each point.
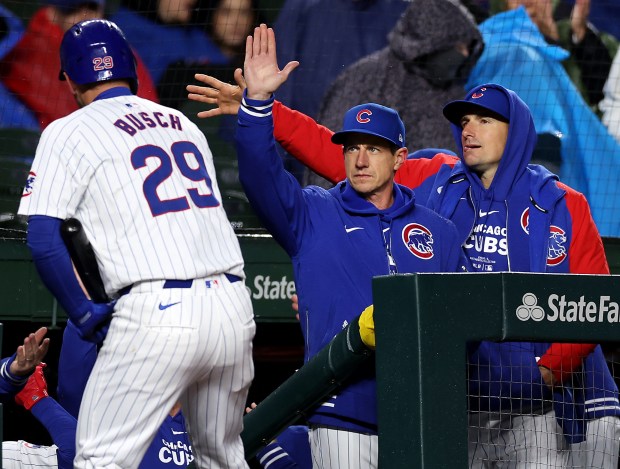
(337, 242)
(505, 376)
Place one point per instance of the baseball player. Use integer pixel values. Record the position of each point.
(140, 178)
(338, 239)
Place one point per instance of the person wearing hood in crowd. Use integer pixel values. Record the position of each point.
(517, 56)
(431, 50)
(30, 70)
(568, 26)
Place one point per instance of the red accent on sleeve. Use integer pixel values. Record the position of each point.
(414, 172)
(563, 359)
(309, 142)
(586, 253)
(146, 86)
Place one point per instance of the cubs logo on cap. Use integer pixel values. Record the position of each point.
(489, 97)
(372, 119)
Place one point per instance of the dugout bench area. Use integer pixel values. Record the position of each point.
(420, 366)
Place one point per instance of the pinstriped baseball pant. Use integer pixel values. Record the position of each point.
(340, 449)
(505, 441)
(198, 351)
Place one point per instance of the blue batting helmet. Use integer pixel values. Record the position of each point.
(97, 50)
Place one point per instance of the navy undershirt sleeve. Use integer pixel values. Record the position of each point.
(52, 261)
(61, 427)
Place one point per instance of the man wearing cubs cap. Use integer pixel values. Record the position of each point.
(516, 216)
(338, 239)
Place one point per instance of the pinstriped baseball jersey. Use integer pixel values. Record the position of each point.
(22, 455)
(140, 178)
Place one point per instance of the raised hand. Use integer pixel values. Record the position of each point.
(30, 354)
(261, 71)
(227, 97)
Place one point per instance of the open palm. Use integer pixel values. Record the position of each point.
(261, 71)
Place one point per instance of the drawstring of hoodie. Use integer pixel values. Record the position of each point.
(386, 227)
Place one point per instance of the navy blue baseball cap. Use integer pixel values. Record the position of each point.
(487, 97)
(372, 119)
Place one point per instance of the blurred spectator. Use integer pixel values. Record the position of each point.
(431, 51)
(32, 68)
(604, 15)
(590, 60)
(517, 56)
(164, 32)
(610, 105)
(325, 36)
(229, 22)
(14, 113)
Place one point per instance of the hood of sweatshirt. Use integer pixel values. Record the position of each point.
(517, 153)
(431, 26)
(352, 202)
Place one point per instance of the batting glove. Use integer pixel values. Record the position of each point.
(35, 389)
(93, 320)
(367, 327)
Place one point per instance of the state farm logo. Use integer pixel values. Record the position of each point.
(529, 309)
(602, 309)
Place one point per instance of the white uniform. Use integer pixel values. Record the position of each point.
(140, 178)
(23, 455)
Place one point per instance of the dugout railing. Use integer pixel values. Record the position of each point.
(423, 323)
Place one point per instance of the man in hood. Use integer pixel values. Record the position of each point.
(516, 216)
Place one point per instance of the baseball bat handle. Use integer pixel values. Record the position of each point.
(84, 259)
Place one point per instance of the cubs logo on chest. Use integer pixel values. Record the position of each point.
(557, 240)
(419, 240)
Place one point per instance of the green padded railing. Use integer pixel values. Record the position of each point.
(423, 323)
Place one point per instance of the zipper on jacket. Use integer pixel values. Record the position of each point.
(307, 319)
(507, 245)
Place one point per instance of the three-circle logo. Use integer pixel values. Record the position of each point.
(530, 309)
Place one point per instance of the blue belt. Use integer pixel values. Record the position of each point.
(188, 283)
(180, 283)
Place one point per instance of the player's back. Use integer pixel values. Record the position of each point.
(140, 177)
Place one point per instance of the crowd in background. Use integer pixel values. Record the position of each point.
(557, 54)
